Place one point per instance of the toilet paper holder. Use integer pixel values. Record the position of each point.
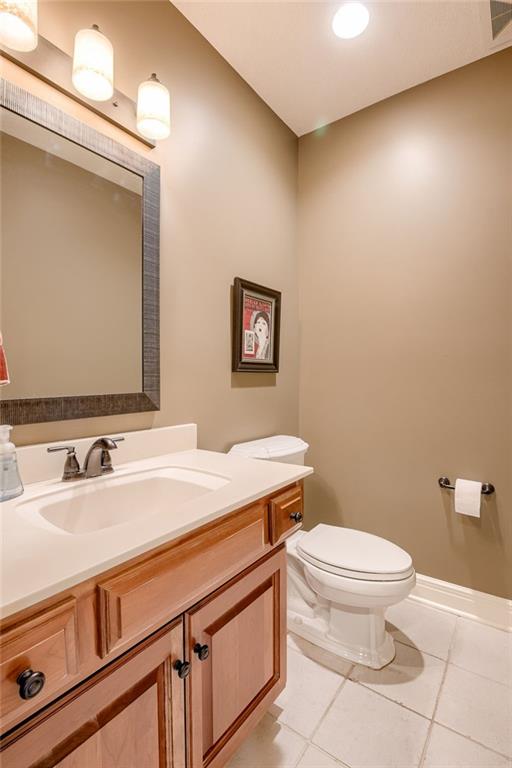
(487, 488)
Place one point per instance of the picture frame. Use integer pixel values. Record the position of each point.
(256, 327)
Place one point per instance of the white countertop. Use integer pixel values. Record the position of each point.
(40, 560)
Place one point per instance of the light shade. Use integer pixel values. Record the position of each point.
(350, 20)
(93, 64)
(18, 24)
(153, 109)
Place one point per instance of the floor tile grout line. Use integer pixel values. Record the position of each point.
(331, 703)
(327, 754)
(458, 615)
(482, 677)
(480, 622)
(342, 682)
(306, 745)
(432, 720)
(415, 648)
(465, 669)
(452, 642)
(392, 701)
(308, 741)
(421, 650)
(438, 697)
(472, 740)
(356, 682)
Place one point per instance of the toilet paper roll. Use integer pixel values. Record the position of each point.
(468, 497)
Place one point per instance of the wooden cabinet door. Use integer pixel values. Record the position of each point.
(128, 715)
(236, 642)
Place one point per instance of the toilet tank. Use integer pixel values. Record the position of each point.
(284, 448)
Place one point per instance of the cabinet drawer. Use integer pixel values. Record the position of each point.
(149, 593)
(44, 643)
(286, 513)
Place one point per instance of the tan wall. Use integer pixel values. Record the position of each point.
(228, 208)
(405, 242)
(58, 277)
(405, 247)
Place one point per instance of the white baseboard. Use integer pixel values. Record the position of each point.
(488, 609)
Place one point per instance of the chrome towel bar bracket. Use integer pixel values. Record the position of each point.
(487, 488)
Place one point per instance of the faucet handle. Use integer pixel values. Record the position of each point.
(72, 469)
(106, 460)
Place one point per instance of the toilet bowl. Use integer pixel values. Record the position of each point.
(340, 580)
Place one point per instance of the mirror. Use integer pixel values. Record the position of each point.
(71, 266)
(78, 268)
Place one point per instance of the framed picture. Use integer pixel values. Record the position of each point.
(256, 327)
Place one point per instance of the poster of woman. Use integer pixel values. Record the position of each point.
(256, 327)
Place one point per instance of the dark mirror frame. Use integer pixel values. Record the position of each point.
(34, 410)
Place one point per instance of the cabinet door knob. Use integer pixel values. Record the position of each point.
(31, 683)
(182, 668)
(297, 516)
(202, 651)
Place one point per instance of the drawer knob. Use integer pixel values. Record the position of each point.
(202, 651)
(31, 683)
(182, 668)
(297, 516)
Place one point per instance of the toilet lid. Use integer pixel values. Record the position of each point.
(354, 554)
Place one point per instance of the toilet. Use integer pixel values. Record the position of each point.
(340, 580)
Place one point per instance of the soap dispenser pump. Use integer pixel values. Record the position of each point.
(10, 480)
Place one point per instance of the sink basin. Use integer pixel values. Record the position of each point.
(91, 505)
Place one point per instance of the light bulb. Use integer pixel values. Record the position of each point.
(350, 20)
(153, 109)
(93, 64)
(18, 24)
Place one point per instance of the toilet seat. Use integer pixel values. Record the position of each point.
(354, 554)
(358, 593)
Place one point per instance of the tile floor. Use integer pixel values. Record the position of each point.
(444, 702)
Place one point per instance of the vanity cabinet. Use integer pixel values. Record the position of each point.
(167, 661)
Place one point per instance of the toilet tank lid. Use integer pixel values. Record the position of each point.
(271, 447)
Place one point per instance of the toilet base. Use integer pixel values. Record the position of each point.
(359, 635)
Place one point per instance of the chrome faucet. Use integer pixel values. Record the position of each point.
(97, 462)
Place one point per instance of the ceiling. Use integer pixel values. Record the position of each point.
(287, 52)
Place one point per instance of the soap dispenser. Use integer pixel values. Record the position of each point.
(10, 480)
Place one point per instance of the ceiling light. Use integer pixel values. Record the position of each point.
(93, 64)
(153, 109)
(350, 20)
(18, 24)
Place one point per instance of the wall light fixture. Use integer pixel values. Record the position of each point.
(18, 24)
